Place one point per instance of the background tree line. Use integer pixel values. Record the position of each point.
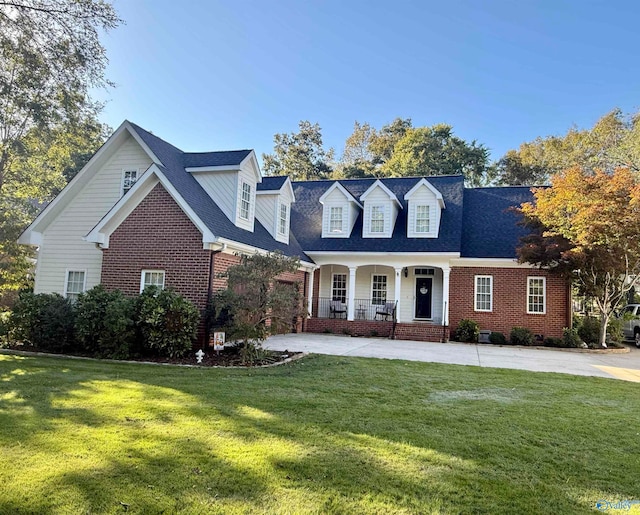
(399, 149)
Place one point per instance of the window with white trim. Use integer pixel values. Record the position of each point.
(283, 221)
(377, 219)
(378, 289)
(245, 201)
(339, 287)
(422, 220)
(335, 219)
(483, 293)
(536, 295)
(129, 178)
(151, 278)
(75, 284)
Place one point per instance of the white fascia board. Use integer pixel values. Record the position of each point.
(312, 253)
(29, 237)
(490, 263)
(379, 184)
(127, 203)
(235, 247)
(48, 214)
(253, 160)
(430, 187)
(341, 188)
(391, 259)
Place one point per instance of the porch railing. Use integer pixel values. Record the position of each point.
(364, 309)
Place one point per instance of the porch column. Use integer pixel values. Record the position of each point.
(351, 300)
(310, 293)
(445, 295)
(397, 289)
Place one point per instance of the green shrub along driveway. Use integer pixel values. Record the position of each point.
(320, 435)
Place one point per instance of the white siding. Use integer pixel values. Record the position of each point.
(423, 195)
(266, 206)
(62, 247)
(222, 188)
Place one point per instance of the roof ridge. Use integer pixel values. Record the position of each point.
(151, 134)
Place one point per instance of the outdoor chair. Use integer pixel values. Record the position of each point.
(387, 310)
(337, 309)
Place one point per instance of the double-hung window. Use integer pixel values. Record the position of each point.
(377, 219)
(536, 295)
(245, 201)
(339, 287)
(483, 293)
(335, 219)
(75, 284)
(129, 178)
(378, 289)
(151, 278)
(283, 220)
(422, 218)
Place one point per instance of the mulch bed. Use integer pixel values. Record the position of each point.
(229, 357)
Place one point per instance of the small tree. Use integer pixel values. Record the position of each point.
(586, 227)
(255, 301)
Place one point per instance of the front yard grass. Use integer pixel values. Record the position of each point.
(321, 435)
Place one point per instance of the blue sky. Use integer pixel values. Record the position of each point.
(227, 74)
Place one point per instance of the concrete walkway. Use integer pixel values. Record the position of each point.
(620, 366)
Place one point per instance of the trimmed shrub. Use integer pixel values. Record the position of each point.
(521, 336)
(570, 338)
(467, 331)
(553, 342)
(167, 322)
(104, 323)
(615, 333)
(5, 317)
(44, 320)
(589, 330)
(497, 338)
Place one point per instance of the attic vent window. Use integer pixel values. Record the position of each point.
(377, 219)
(129, 178)
(424, 271)
(422, 218)
(284, 219)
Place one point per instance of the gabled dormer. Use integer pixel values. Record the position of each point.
(339, 212)
(425, 205)
(273, 206)
(381, 208)
(231, 180)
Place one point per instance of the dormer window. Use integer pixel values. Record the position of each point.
(283, 220)
(422, 219)
(377, 219)
(335, 221)
(129, 178)
(426, 205)
(245, 201)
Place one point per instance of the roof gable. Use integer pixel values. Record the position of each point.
(379, 185)
(339, 187)
(426, 184)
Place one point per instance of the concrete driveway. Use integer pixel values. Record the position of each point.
(619, 366)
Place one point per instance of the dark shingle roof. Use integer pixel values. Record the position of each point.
(490, 228)
(306, 217)
(475, 222)
(196, 197)
(272, 183)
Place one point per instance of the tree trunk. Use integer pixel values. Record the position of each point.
(604, 322)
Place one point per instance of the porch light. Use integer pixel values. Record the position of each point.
(405, 271)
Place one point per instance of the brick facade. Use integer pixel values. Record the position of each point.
(158, 235)
(509, 301)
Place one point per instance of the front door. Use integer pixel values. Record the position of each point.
(423, 297)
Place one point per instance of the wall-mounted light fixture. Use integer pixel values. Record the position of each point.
(405, 270)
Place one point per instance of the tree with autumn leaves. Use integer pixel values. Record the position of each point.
(586, 227)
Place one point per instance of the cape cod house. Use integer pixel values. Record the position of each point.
(407, 257)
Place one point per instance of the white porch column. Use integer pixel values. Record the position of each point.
(445, 295)
(310, 293)
(351, 300)
(397, 289)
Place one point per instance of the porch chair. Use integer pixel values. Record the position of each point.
(387, 310)
(337, 309)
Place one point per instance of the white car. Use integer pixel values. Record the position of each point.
(631, 322)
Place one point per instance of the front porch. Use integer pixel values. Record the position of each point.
(403, 302)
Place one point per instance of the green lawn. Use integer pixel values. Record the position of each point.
(322, 435)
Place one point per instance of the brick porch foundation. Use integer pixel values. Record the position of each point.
(403, 331)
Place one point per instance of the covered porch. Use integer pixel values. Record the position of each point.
(372, 296)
